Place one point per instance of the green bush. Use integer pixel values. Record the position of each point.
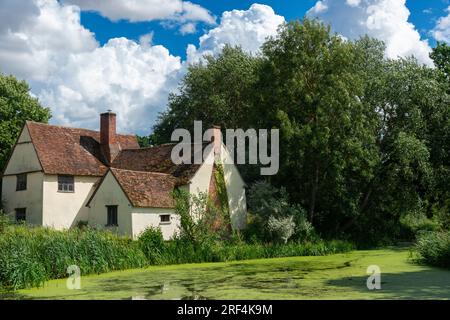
(433, 248)
(281, 229)
(30, 256)
(417, 222)
(152, 244)
(274, 218)
(182, 251)
(4, 222)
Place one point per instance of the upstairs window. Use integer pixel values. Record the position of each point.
(112, 216)
(66, 184)
(21, 215)
(164, 219)
(21, 182)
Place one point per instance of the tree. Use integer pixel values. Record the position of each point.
(364, 140)
(441, 59)
(217, 92)
(16, 106)
(309, 88)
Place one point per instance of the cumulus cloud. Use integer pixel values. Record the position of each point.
(75, 76)
(386, 20)
(36, 43)
(441, 31)
(71, 73)
(132, 79)
(247, 28)
(146, 10)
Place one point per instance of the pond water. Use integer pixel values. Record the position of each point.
(341, 276)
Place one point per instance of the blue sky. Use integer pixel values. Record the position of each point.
(424, 15)
(83, 57)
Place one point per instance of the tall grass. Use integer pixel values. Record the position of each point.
(31, 256)
(433, 248)
(182, 251)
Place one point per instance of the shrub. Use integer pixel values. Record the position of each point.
(281, 229)
(30, 256)
(4, 222)
(152, 244)
(273, 218)
(417, 222)
(433, 248)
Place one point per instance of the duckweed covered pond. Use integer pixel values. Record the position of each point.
(341, 276)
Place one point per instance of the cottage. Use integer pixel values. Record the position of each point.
(58, 176)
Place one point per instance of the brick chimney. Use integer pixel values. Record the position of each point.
(108, 143)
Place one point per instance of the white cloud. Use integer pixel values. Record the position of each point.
(77, 78)
(386, 20)
(441, 31)
(188, 28)
(247, 28)
(36, 43)
(122, 75)
(146, 10)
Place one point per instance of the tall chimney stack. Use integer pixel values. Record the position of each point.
(108, 142)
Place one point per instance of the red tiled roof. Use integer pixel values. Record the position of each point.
(146, 189)
(72, 151)
(156, 159)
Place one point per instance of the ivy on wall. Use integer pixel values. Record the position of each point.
(221, 190)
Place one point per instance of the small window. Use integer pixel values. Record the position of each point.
(21, 182)
(112, 216)
(21, 215)
(66, 184)
(164, 218)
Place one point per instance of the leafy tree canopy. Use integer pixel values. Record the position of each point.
(17, 105)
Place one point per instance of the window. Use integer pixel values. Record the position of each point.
(21, 215)
(112, 216)
(21, 182)
(66, 184)
(164, 218)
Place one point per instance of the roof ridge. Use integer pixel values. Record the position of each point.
(74, 128)
(139, 171)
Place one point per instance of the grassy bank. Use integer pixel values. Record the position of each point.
(31, 256)
(433, 248)
(340, 276)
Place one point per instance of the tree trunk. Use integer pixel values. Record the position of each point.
(314, 189)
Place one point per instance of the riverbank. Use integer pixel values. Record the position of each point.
(340, 276)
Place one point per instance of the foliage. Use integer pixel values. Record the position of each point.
(179, 250)
(4, 222)
(16, 107)
(281, 229)
(216, 92)
(417, 222)
(151, 242)
(30, 256)
(434, 248)
(441, 59)
(201, 220)
(221, 189)
(364, 139)
(274, 218)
